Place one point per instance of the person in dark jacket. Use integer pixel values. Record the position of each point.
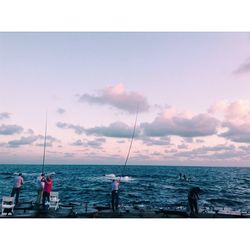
(193, 196)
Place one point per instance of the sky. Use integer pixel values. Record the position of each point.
(191, 90)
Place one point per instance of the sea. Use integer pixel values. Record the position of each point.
(152, 187)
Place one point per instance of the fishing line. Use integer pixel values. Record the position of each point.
(44, 146)
(131, 142)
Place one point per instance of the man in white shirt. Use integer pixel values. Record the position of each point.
(115, 194)
(40, 186)
(17, 187)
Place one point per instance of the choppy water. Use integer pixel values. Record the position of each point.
(150, 186)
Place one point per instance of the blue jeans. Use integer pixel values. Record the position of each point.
(115, 200)
(46, 196)
(15, 191)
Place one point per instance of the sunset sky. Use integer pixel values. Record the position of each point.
(192, 90)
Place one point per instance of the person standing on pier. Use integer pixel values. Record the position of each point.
(40, 186)
(115, 194)
(47, 189)
(193, 196)
(17, 187)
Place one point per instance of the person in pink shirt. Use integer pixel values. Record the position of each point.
(47, 190)
(17, 187)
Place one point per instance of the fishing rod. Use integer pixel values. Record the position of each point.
(131, 142)
(44, 145)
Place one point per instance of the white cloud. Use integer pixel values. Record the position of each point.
(116, 129)
(69, 155)
(28, 140)
(236, 117)
(199, 141)
(237, 112)
(23, 141)
(162, 141)
(218, 107)
(188, 140)
(29, 131)
(237, 133)
(60, 111)
(4, 115)
(170, 151)
(78, 143)
(49, 141)
(210, 152)
(116, 96)
(121, 141)
(96, 143)
(77, 128)
(185, 124)
(10, 129)
(244, 68)
(182, 146)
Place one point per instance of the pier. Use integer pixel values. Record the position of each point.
(81, 210)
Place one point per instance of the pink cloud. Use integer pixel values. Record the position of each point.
(236, 116)
(237, 112)
(116, 96)
(184, 124)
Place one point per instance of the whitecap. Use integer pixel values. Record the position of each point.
(110, 176)
(127, 179)
(50, 173)
(27, 174)
(123, 178)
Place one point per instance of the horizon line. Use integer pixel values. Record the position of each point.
(120, 165)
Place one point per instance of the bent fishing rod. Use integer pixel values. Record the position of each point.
(131, 142)
(44, 145)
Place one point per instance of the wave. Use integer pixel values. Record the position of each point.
(110, 176)
(224, 202)
(50, 173)
(127, 179)
(123, 178)
(34, 173)
(6, 173)
(27, 174)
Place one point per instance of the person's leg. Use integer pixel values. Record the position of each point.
(17, 195)
(44, 196)
(47, 200)
(190, 203)
(113, 200)
(41, 197)
(195, 207)
(116, 200)
(13, 192)
(38, 197)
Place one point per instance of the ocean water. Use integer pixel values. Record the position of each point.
(146, 186)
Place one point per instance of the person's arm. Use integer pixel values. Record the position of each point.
(47, 181)
(196, 195)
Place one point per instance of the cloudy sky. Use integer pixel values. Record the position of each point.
(192, 91)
